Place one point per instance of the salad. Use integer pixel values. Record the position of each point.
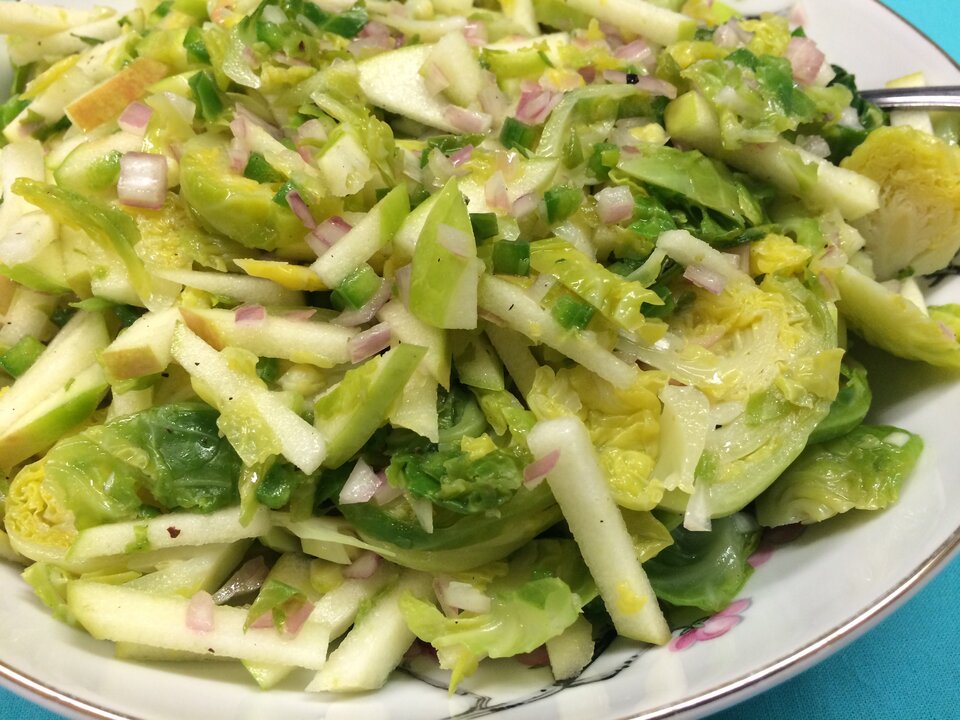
(332, 329)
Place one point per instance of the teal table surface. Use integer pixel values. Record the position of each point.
(908, 667)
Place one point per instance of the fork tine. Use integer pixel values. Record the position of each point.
(945, 97)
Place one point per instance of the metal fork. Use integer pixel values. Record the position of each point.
(945, 97)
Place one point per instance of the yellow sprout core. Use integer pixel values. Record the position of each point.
(918, 223)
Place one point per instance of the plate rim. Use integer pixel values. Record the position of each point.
(715, 699)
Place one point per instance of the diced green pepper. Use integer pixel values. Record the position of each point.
(18, 359)
(485, 225)
(571, 313)
(206, 94)
(511, 257)
(259, 169)
(562, 201)
(195, 46)
(358, 287)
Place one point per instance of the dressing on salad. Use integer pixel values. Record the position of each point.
(331, 328)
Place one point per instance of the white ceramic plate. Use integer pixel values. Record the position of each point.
(808, 597)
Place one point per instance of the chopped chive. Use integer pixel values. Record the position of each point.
(517, 135)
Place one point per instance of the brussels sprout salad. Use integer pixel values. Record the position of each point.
(332, 330)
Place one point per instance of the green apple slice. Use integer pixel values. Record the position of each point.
(316, 343)
(39, 428)
(114, 612)
(365, 239)
(350, 412)
(143, 348)
(443, 282)
(267, 424)
(72, 350)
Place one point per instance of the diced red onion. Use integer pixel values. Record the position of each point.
(263, 622)
(249, 315)
(250, 116)
(492, 100)
(617, 77)
(239, 155)
(200, 617)
(239, 147)
(363, 567)
(508, 163)
(361, 484)
(456, 241)
(327, 233)
(476, 33)
(440, 165)
(742, 255)
(461, 156)
(434, 77)
(386, 492)
(375, 29)
(535, 472)
(635, 51)
(614, 204)
(495, 192)
(541, 286)
(402, 277)
(306, 153)
(143, 180)
(730, 35)
(536, 104)
(805, 58)
(296, 619)
(524, 205)
(361, 46)
(186, 109)
(284, 59)
(534, 658)
(312, 130)
(135, 117)
(705, 278)
(588, 73)
(352, 318)
(247, 579)
(656, 86)
(304, 314)
(468, 121)
(464, 596)
(829, 288)
(300, 209)
(369, 342)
